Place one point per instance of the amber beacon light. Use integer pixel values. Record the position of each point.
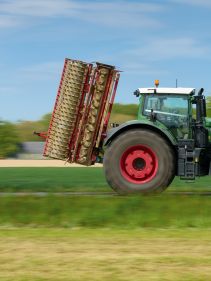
(157, 83)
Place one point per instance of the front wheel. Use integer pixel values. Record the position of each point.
(139, 161)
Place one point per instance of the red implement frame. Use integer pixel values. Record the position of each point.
(91, 79)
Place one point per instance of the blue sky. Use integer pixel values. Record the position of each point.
(147, 40)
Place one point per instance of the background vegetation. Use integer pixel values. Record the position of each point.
(9, 139)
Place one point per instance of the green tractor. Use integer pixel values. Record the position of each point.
(172, 137)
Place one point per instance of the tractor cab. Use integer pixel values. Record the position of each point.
(168, 107)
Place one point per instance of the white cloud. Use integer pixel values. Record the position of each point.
(137, 67)
(202, 3)
(120, 13)
(170, 48)
(113, 13)
(38, 8)
(8, 21)
(41, 71)
(21, 77)
(6, 90)
(146, 58)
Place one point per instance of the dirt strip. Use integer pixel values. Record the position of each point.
(39, 163)
(93, 194)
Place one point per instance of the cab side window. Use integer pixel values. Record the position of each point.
(172, 111)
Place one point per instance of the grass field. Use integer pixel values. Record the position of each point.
(73, 179)
(120, 255)
(117, 238)
(52, 179)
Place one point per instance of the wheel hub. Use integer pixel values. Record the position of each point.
(139, 164)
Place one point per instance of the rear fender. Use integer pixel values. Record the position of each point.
(156, 127)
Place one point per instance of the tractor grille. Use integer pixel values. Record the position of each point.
(81, 112)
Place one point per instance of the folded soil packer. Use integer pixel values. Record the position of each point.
(81, 113)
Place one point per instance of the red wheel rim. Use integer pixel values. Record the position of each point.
(139, 164)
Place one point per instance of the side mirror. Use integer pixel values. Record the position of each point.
(136, 93)
(200, 92)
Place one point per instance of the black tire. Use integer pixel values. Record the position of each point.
(163, 171)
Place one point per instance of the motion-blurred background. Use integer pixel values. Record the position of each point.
(64, 223)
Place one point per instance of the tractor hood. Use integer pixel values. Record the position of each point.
(112, 133)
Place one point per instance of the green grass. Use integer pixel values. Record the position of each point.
(52, 179)
(114, 212)
(73, 179)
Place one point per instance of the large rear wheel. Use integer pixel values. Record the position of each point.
(139, 161)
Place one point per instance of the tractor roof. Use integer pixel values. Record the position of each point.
(179, 91)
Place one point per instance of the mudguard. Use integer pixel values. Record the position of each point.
(154, 126)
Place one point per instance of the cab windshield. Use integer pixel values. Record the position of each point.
(172, 111)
